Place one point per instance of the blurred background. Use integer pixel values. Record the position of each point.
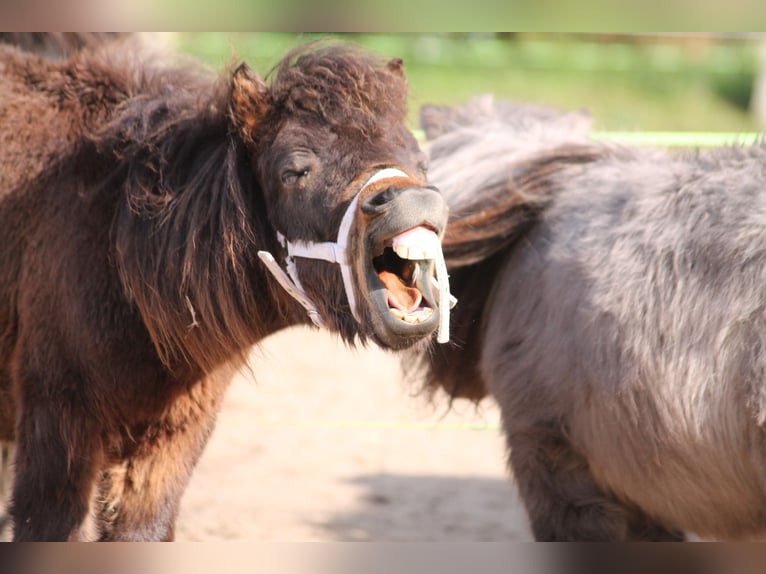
(647, 82)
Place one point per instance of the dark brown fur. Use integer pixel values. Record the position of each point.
(57, 45)
(133, 198)
(621, 327)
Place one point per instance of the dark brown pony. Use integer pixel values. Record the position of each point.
(134, 198)
(612, 301)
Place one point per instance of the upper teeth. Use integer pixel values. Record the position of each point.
(413, 252)
(417, 243)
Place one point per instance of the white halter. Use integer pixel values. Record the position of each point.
(337, 252)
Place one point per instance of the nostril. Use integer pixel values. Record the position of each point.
(377, 201)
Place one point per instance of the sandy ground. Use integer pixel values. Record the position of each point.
(318, 442)
(324, 443)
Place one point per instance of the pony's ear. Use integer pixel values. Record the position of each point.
(250, 101)
(396, 66)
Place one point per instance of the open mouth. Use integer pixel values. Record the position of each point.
(405, 267)
(398, 272)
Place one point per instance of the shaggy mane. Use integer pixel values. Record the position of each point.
(182, 233)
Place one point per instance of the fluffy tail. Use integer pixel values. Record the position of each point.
(494, 163)
(491, 160)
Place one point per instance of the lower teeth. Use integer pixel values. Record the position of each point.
(412, 318)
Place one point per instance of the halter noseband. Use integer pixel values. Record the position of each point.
(337, 252)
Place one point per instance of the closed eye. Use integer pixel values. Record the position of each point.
(293, 176)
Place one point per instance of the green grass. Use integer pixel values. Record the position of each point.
(668, 85)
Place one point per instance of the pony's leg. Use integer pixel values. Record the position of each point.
(6, 480)
(141, 492)
(140, 495)
(562, 499)
(644, 528)
(58, 454)
(7, 416)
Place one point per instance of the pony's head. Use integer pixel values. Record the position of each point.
(345, 188)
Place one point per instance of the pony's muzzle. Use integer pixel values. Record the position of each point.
(399, 231)
(419, 205)
(403, 226)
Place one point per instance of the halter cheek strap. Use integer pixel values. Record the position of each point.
(337, 252)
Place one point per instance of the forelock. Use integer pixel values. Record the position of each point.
(342, 85)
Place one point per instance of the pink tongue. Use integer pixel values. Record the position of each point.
(400, 296)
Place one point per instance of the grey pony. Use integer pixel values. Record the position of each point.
(612, 302)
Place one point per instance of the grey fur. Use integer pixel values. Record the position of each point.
(624, 336)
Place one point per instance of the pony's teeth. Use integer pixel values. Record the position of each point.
(398, 313)
(417, 243)
(412, 318)
(412, 252)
